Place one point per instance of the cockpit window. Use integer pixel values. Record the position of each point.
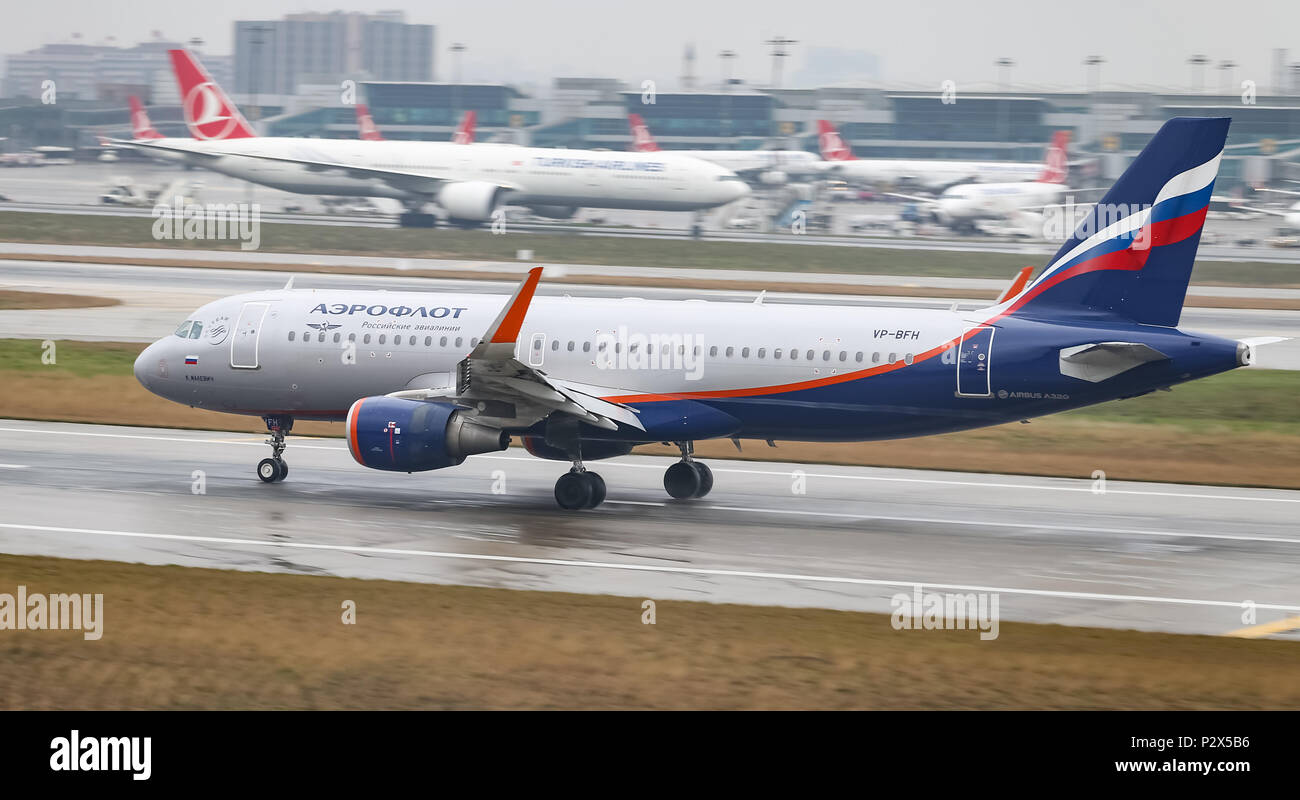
(184, 330)
(197, 330)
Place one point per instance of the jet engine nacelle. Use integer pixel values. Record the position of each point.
(413, 436)
(554, 212)
(592, 449)
(774, 177)
(472, 201)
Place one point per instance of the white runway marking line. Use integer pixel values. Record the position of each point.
(730, 470)
(613, 565)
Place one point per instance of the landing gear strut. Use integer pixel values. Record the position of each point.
(275, 469)
(688, 478)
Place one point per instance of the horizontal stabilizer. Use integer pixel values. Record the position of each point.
(1097, 362)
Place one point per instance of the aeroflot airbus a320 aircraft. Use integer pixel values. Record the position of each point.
(424, 380)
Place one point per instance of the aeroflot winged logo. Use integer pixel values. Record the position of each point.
(205, 113)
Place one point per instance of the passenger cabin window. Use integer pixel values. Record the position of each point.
(291, 336)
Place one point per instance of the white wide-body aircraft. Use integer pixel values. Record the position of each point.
(469, 183)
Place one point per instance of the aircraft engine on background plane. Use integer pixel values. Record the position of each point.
(774, 177)
(470, 201)
(401, 435)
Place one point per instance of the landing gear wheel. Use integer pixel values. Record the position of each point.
(706, 477)
(269, 470)
(284, 470)
(573, 490)
(681, 480)
(597, 489)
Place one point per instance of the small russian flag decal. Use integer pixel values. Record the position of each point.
(191, 360)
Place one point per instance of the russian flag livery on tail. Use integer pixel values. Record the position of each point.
(1132, 256)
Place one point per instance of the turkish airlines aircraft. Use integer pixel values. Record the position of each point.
(931, 174)
(769, 167)
(1020, 202)
(468, 183)
(368, 131)
(423, 380)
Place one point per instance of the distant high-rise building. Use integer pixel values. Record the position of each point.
(276, 56)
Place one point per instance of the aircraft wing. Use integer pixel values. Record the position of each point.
(1272, 211)
(490, 377)
(1281, 191)
(912, 197)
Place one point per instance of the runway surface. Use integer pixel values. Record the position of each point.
(1146, 556)
(156, 299)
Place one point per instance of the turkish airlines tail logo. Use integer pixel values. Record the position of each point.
(141, 128)
(465, 131)
(642, 141)
(369, 131)
(209, 113)
(832, 146)
(1056, 166)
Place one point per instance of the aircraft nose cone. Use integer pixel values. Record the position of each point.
(738, 190)
(147, 366)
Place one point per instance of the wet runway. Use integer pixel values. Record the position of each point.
(155, 299)
(1146, 556)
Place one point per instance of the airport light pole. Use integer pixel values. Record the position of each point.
(1197, 63)
(456, 49)
(1092, 75)
(779, 53)
(1004, 66)
(1226, 67)
(727, 57)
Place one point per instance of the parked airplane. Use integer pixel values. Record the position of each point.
(424, 380)
(769, 167)
(368, 131)
(1019, 202)
(1290, 217)
(932, 174)
(468, 183)
(366, 128)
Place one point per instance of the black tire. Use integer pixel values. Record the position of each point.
(268, 470)
(681, 480)
(572, 491)
(706, 478)
(597, 489)
(284, 470)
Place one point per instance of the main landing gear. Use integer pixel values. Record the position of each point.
(579, 488)
(688, 478)
(275, 469)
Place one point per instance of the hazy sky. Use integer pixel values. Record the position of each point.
(921, 43)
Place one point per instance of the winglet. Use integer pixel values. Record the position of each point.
(499, 341)
(1017, 285)
(367, 130)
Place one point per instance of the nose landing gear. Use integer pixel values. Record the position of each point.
(275, 469)
(688, 478)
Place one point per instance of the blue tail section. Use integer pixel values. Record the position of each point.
(1132, 256)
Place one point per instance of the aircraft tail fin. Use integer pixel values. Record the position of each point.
(832, 145)
(367, 130)
(465, 131)
(141, 127)
(642, 141)
(1132, 255)
(1056, 164)
(209, 113)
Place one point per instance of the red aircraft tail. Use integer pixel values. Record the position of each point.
(642, 141)
(209, 113)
